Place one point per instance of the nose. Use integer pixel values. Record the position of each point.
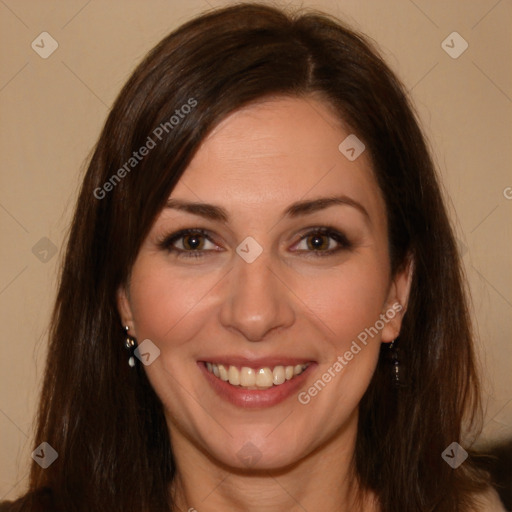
(257, 301)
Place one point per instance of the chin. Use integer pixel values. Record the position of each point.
(253, 452)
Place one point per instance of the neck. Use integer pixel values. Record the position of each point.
(322, 480)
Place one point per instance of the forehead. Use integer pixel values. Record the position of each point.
(270, 154)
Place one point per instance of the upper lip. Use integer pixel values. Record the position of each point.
(256, 362)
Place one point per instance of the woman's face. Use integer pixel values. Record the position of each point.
(282, 286)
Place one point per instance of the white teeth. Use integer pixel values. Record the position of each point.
(234, 376)
(223, 372)
(278, 375)
(247, 377)
(262, 378)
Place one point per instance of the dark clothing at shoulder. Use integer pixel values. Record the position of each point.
(12, 506)
(39, 501)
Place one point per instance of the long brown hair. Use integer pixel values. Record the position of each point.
(102, 417)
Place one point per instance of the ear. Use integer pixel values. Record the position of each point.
(124, 308)
(397, 300)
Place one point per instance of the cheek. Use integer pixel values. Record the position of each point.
(347, 300)
(164, 301)
(349, 304)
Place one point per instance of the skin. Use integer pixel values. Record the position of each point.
(289, 301)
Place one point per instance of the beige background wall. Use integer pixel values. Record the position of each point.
(52, 111)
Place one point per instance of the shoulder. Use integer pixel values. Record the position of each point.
(37, 501)
(489, 501)
(11, 506)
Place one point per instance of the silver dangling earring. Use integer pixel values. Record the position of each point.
(130, 344)
(396, 370)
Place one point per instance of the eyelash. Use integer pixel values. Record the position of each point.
(167, 242)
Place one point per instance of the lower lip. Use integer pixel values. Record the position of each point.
(256, 398)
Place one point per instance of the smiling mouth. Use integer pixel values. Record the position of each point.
(251, 378)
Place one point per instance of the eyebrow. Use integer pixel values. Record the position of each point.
(297, 209)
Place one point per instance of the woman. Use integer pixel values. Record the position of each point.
(262, 228)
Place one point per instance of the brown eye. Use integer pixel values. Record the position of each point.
(189, 242)
(193, 241)
(317, 242)
(323, 242)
